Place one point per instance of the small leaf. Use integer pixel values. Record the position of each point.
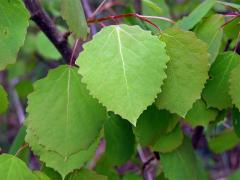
(169, 141)
(3, 100)
(212, 36)
(45, 48)
(85, 174)
(182, 163)
(236, 121)
(11, 168)
(224, 141)
(235, 86)
(152, 124)
(216, 91)
(118, 134)
(60, 108)
(72, 11)
(14, 22)
(123, 66)
(186, 73)
(196, 15)
(200, 115)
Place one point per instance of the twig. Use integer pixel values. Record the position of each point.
(144, 160)
(17, 103)
(88, 13)
(138, 6)
(21, 149)
(90, 21)
(45, 23)
(197, 135)
(98, 9)
(159, 18)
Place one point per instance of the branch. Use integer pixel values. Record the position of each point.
(46, 24)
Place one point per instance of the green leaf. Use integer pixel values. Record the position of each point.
(210, 31)
(60, 108)
(232, 29)
(41, 176)
(18, 141)
(235, 85)
(156, 8)
(123, 66)
(104, 166)
(182, 163)
(51, 173)
(72, 11)
(61, 164)
(3, 100)
(234, 176)
(224, 141)
(119, 135)
(11, 168)
(232, 5)
(196, 15)
(152, 124)
(132, 176)
(200, 115)
(45, 48)
(186, 73)
(236, 121)
(14, 22)
(169, 141)
(216, 91)
(85, 174)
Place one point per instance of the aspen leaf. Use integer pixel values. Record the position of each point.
(123, 66)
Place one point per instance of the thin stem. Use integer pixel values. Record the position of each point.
(73, 52)
(90, 21)
(88, 13)
(98, 8)
(159, 18)
(21, 149)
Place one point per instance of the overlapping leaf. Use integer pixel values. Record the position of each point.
(186, 73)
(200, 115)
(212, 36)
(169, 141)
(60, 163)
(11, 168)
(61, 113)
(120, 140)
(14, 22)
(224, 141)
(123, 66)
(152, 124)
(85, 174)
(72, 11)
(216, 91)
(183, 162)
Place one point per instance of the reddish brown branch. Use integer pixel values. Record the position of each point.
(90, 21)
